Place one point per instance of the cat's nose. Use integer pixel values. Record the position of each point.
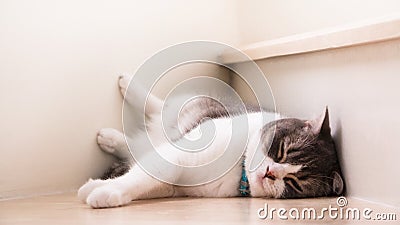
(269, 174)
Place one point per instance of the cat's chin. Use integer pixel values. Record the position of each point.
(273, 188)
(264, 187)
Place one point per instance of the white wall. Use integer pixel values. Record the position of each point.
(269, 19)
(58, 78)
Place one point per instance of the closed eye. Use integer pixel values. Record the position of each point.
(293, 182)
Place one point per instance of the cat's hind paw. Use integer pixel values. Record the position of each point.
(111, 140)
(123, 82)
(106, 197)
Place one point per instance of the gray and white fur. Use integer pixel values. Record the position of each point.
(300, 158)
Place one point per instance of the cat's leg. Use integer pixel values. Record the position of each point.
(157, 123)
(153, 104)
(134, 185)
(112, 141)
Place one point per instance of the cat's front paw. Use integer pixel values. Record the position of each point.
(106, 197)
(123, 83)
(87, 188)
(111, 140)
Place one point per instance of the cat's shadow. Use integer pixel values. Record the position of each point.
(338, 139)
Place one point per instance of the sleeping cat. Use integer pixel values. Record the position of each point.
(299, 160)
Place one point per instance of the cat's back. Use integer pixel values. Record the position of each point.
(201, 109)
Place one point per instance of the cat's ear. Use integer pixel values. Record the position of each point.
(338, 184)
(320, 125)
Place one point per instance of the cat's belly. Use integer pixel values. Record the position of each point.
(229, 143)
(225, 186)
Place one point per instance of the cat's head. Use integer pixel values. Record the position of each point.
(300, 162)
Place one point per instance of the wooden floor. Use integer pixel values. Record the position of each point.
(67, 209)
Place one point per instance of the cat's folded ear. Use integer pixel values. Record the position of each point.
(338, 184)
(320, 125)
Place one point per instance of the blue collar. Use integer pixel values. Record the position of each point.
(244, 187)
